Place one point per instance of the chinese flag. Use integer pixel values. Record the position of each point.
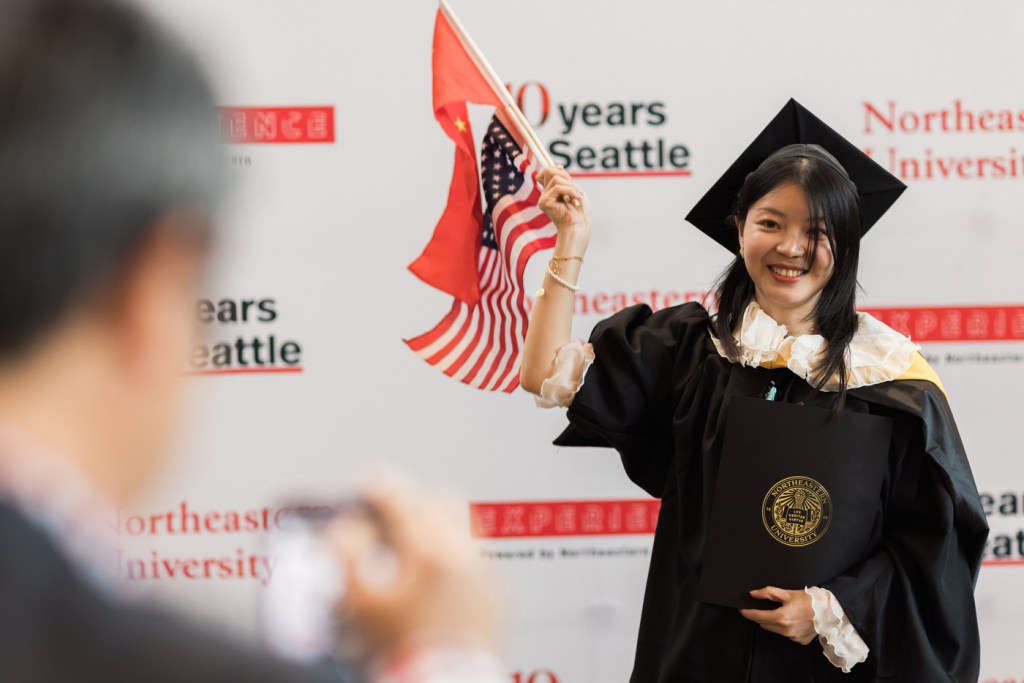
(449, 261)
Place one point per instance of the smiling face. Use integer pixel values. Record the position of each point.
(788, 259)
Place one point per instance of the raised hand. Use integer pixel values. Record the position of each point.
(563, 201)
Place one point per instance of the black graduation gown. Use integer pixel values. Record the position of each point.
(658, 393)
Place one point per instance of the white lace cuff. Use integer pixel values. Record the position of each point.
(571, 363)
(842, 644)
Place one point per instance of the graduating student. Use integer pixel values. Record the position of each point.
(659, 387)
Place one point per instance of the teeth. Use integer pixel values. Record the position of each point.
(787, 272)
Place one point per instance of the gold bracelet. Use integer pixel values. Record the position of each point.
(553, 263)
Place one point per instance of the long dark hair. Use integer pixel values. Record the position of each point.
(834, 201)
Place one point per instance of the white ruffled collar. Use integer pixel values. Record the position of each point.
(877, 352)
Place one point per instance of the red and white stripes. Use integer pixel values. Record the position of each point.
(479, 345)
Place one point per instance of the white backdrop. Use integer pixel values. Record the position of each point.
(321, 231)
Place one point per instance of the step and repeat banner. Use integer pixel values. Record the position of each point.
(304, 382)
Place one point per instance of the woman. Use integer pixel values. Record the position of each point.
(655, 386)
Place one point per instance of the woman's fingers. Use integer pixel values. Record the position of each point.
(573, 191)
(562, 199)
(552, 172)
(773, 620)
(790, 619)
(771, 593)
(556, 175)
(559, 190)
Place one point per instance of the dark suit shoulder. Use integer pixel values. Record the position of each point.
(56, 627)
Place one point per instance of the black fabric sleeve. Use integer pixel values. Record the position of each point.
(642, 361)
(912, 601)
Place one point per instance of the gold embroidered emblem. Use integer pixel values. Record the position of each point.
(797, 511)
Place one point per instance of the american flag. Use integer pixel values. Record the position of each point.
(479, 344)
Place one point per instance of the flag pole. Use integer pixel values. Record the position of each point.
(496, 84)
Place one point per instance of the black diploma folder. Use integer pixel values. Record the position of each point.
(797, 499)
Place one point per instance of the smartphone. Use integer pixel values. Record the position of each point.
(300, 606)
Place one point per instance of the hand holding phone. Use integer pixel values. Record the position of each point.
(361, 580)
(437, 587)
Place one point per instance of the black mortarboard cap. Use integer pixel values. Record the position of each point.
(878, 188)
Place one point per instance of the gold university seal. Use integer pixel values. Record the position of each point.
(797, 511)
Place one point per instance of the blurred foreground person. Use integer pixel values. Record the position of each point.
(110, 173)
